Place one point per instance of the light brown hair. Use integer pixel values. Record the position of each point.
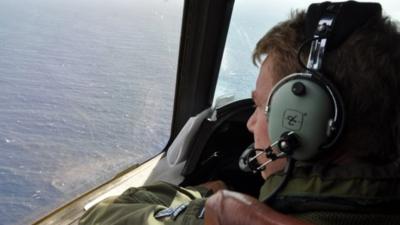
(366, 71)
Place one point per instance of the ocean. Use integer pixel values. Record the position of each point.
(86, 90)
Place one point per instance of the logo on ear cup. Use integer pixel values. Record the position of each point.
(292, 119)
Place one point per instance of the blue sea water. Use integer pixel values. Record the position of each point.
(86, 90)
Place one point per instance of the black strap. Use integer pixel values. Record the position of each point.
(348, 17)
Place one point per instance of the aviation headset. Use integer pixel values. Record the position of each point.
(305, 112)
(307, 104)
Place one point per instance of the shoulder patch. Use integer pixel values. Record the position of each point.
(171, 212)
(164, 213)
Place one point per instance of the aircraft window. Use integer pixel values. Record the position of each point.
(86, 90)
(250, 21)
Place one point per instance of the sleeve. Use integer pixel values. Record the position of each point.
(158, 204)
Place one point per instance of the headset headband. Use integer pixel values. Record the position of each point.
(348, 17)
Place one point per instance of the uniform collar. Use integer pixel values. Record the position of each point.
(345, 187)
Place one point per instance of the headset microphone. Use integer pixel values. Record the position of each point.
(285, 146)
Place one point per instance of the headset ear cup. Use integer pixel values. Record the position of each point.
(299, 103)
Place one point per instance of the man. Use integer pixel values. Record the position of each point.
(355, 181)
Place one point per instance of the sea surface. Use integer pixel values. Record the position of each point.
(86, 90)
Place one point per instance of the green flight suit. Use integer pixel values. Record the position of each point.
(158, 204)
(357, 194)
(322, 194)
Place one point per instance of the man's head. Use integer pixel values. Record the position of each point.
(365, 70)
